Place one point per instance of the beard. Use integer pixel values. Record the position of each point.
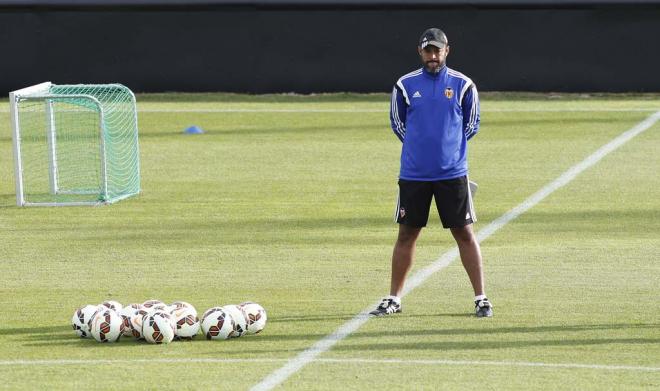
(433, 66)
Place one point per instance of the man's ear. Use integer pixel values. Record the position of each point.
(419, 50)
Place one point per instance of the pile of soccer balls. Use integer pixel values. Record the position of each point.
(157, 322)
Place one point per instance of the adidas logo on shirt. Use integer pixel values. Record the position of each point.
(417, 95)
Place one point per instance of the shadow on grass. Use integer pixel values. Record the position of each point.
(456, 345)
(83, 343)
(318, 231)
(507, 330)
(495, 345)
(53, 336)
(7, 201)
(572, 118)
(395, 331)
(51, 330)
(492, 343)
(305, 318)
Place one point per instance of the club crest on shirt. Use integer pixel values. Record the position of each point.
(449, 93)
(402, 213)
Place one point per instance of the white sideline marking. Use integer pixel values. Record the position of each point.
(377, 110)
(323, 345)
(328, 361)
(138, 361)
(302, 111)
(359, 111)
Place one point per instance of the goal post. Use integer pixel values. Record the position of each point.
(74, 144)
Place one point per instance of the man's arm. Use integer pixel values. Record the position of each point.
(398, 113)
(471, 116)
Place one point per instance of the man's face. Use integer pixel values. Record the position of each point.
(433, 57)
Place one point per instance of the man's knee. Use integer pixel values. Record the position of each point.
(408, 235)
(463, 234)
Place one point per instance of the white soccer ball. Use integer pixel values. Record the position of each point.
(158, 327)
(126, 314)
(217, 324)
(113, 305)
(154, 304)
(256, 317)
(81, 318)
(209, 311)
(136, 320)
(187, 323)
(240, 320)
(106, 326)
(178, 305)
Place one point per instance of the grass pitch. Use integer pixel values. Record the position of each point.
(288, 201)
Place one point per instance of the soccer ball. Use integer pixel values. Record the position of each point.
(106, 326)
(256, 317)
(126, 313)
(81, 318)
(158, 327)
(240, 320)
(137, 319)
(217, 324)
(113, 305)
(209, 311)
(154, 303)
(187, 323)
(178, 305)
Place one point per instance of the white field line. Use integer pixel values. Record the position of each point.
(362, 111)
(9, 363)
(326, 343)
(137, 361)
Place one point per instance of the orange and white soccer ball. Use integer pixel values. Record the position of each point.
(158, 327)
(126, 313)
(179, 305)
(113, 305)
(209, 311)
(217, 324)
(240, 320)
(154, 304)
(255, 315)
(81, 320)
(136, 320)
(106, 326)
(186, 322)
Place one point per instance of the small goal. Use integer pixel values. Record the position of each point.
(74, 144)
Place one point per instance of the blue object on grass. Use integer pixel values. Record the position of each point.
(194, 130)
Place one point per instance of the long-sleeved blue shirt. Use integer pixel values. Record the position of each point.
(434, 114)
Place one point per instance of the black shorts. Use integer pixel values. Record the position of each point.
(452, 198)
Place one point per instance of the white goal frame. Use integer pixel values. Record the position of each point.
(40, 91)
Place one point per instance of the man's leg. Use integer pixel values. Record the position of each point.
(412, 213)
(470, 256)
(402, 257)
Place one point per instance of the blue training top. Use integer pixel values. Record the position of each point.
(434, 114)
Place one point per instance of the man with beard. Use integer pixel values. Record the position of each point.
(434, 112)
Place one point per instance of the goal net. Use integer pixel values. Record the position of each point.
(74, 144)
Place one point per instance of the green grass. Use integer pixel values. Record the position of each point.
(293, 210)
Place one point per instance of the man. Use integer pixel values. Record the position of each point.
(434, 112)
